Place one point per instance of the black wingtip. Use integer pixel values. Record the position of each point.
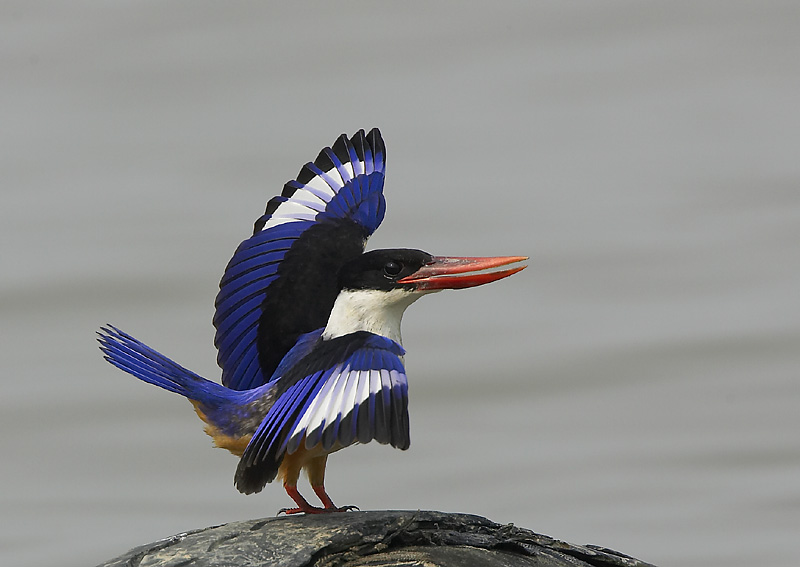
(251, 479)
(375, 138)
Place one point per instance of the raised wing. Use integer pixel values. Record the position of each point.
(356, 392)
(281, 282)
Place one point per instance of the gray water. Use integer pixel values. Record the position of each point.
(638, 386)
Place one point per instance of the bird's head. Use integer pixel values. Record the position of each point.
(378, 286)
(420, 272)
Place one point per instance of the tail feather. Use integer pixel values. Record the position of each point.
(138, 359)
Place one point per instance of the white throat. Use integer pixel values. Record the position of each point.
(374, 311)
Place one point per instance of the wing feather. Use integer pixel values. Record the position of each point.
(321, 220)
(363, 397)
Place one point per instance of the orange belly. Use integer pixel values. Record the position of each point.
(235, 445)
(312, 460)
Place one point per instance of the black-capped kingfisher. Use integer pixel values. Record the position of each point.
(308, 327)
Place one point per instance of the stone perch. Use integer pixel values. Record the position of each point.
(374, 539)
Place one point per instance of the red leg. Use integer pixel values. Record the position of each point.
(315, 468)
(328, 503)
(303, 507)
(323, 496)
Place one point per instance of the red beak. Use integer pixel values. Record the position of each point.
(457, 273)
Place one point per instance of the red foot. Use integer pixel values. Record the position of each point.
(303, 510)
(303, 507)
(328, 503)
(314, 510)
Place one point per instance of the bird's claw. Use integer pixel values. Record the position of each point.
(315, 510)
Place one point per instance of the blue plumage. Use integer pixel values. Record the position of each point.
(147, 364)
(252, 269)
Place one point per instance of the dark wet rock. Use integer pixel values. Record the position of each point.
(374, 539)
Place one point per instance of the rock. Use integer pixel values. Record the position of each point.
(374, 539)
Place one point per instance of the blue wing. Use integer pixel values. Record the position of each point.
(358, 392)
(320, 220)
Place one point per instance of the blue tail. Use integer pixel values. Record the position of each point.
(138, 359)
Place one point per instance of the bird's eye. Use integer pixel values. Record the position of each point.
(392, 269)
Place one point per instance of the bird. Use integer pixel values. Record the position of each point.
(308, 327)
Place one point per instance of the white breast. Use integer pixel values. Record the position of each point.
(374, 311)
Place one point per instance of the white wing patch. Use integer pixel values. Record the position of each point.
(312, 197)
(322, 187)
(342, 392)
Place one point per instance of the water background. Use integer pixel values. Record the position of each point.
(637, 387)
